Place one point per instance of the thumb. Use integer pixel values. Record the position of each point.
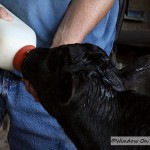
(5, 15)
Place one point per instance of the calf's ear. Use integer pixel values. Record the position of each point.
(114, 79)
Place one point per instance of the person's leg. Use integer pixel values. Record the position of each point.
(31, 127)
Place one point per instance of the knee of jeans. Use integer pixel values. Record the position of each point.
(7, 81)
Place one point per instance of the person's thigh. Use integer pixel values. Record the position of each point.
(31, 127)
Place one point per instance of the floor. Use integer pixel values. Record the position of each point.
(3, 134)
(3, 140)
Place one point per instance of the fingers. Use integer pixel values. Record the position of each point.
(5, 15)
(30, 89)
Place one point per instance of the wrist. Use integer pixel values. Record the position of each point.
(60, 41)
(66, 37)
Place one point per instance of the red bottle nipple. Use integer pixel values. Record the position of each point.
(20, 56)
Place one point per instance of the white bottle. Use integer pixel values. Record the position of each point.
(16, 38)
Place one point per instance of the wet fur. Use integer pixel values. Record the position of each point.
(80, 86)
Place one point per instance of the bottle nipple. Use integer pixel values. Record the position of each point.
(21, 55)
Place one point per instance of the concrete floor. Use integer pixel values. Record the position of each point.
(3, 134)
(3, 140)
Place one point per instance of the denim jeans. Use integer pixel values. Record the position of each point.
(31, 127)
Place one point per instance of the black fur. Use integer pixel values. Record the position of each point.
(92, 100)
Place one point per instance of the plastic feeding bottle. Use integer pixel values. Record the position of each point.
(16, 39)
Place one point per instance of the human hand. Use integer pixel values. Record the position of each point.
(30, 89)
(5, 15)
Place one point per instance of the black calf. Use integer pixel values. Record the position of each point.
(92, 100)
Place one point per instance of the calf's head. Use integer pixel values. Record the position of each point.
(61, 75)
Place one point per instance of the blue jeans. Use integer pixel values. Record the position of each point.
(31, 127)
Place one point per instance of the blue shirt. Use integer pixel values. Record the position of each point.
(45, 16)
(31, 127)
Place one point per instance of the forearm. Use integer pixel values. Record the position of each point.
(81, 17)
